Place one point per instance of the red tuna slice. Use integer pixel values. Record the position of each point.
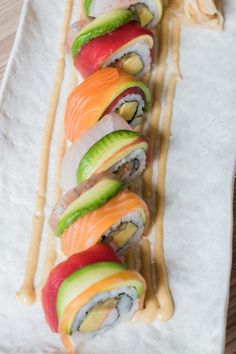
(93, 54)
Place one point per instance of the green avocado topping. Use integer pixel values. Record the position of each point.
(88, 201)
(113, 147)
(102, 25)
(86, 6)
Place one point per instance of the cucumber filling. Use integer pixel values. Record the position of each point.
(143, 12)
(131, 63)
(128, 110)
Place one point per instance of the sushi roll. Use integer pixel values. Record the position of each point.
(90, 293)
(110, 145)
(107, 90)
(99, 211)
(148, 11)
(113, 39)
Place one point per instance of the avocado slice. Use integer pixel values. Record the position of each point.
(86, 6)
(108, 151)
(130, 63)
(97, 315)
(127, 110)
(88, 201)
(102, 25)
(83, 278)
(123, 234)
(143, 12)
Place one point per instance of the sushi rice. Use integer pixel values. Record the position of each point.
(126, 306)
(140, 109)
(139, 162)
(137, 46)
(136, 218)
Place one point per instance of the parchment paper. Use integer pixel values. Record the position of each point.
(198, 216)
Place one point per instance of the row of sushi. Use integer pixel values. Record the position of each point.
(116, 37)
(99, 218)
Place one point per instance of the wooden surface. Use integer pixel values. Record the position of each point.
(9, 15)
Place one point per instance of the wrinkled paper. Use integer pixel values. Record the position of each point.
(198, 214)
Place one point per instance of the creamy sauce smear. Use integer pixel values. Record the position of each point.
(158, 301)
(50, 249)
(27, 294)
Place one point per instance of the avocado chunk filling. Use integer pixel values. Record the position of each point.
(131, 63)
(123, 234)
(143, 12)
(128, 110)
(127, 169)
(98, 315)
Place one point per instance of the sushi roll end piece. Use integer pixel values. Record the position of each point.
(90, 293)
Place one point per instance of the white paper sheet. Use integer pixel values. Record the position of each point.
(198, 215)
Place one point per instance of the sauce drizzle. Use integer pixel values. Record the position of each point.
(152, 131)
(165, 310)
(26, 294)
(50, 249)
(158, 303)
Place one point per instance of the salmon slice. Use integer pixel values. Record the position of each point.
(88, 229)
(67, 342)
(88, 102)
